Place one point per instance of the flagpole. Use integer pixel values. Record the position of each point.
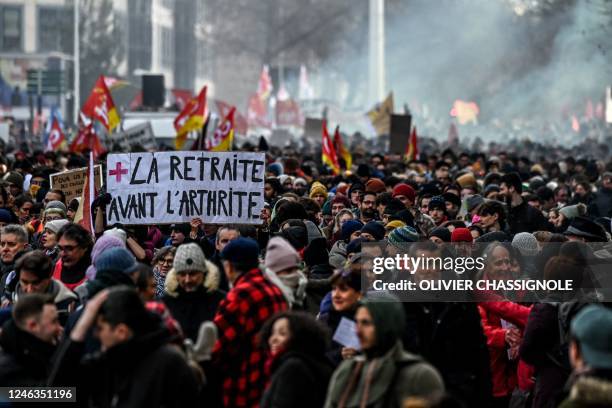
(77, 65)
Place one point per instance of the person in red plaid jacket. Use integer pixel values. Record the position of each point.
(240, 316)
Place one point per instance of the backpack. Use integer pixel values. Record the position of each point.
(566, 311)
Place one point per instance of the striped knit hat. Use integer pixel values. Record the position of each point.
(403, 235)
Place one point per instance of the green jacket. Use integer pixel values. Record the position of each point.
(394, 377)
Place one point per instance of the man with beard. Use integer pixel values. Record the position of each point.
(28, 341)
(521, 216)
(192, 294)
(367, 208)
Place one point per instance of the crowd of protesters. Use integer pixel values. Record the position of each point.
(197, 314)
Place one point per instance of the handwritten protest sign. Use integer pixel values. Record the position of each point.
(71, 181)
(174, 187)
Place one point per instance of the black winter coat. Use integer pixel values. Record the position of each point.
(190, 309)
(25, 359)
(298, 381)
(143, 372)
(525, 218)
(450, 337)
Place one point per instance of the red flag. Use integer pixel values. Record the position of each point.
(190, 119)
(341, 150)
(56, 136)
(328, 153)
(264, 88)
(412, 150)
(223, 138)
(240, 122)
(87, 139)
(100, 105)
(257, 112)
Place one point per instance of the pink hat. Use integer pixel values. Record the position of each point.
(280, 255)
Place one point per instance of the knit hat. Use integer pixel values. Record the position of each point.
(241, 250)
(592, 327)
(14, 177)
(375, 185)
(103, 244)
(403, 235)
(5, 216)
(339, 198)
(56, 205)
(189, 257)
(572, 211)
(375, 229)
(461, 235)
(395, 224)
(437, 202)
(116, 259)
(280, 255)
(473, 201)
(584, 227)
(55, 225)
(432, 188)
(275, 168)
(349, 227)
(317, 188)
(299, 182)
(526, 243)
(442, 233)
(404, 190)
(467, 180)
(117, 233)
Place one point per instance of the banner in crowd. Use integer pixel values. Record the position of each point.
(400, 132)
(71, 181)
(380, 116)
(139, 135)
(175, 187)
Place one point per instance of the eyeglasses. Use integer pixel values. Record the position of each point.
(166, 261)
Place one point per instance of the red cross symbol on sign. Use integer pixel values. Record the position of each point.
(117, 172)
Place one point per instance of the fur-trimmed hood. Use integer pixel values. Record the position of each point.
(210, 283)
(590, 391)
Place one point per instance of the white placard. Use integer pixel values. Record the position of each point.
(175, 187)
